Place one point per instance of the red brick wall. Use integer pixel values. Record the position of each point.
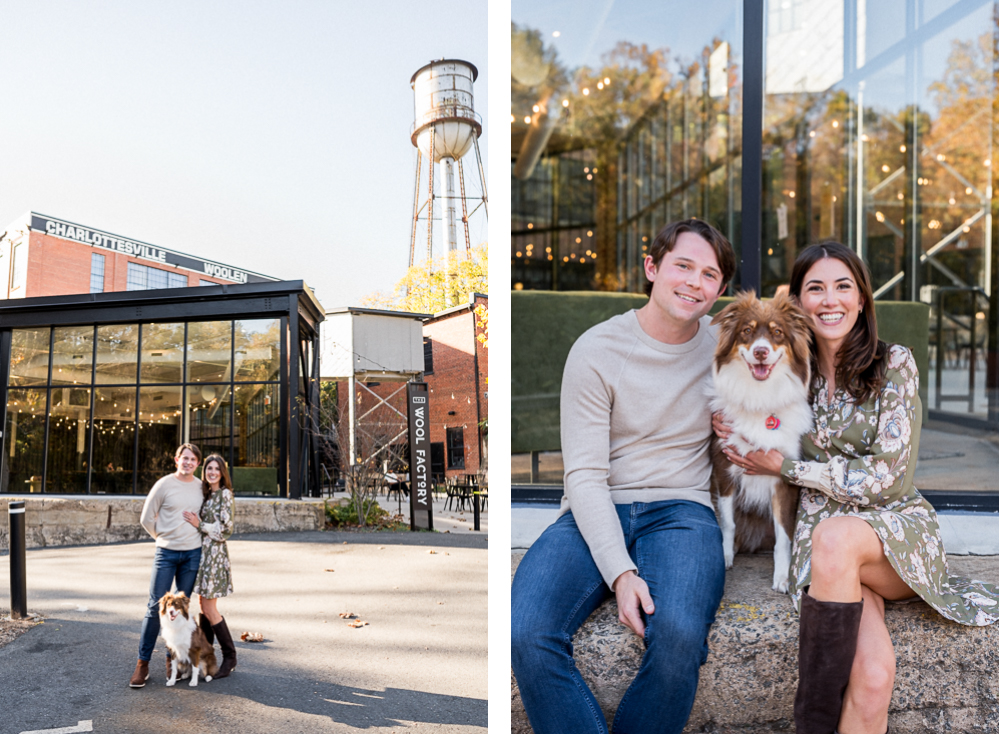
(59, 267)
(456, 385)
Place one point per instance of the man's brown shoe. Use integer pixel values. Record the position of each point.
(141, 674)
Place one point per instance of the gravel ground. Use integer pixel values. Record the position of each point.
(11, 629)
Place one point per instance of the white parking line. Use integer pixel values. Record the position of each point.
(80, 726)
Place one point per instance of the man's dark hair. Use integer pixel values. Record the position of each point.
(665, 241)
(190, 447)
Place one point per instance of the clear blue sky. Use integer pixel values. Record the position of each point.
(272, 136)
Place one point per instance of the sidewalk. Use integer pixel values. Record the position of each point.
(420, 664)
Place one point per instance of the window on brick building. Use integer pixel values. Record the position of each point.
(17, 271)
(96, 273)
(428, 356)
(456, 448)
(206, 282)
(144, 278)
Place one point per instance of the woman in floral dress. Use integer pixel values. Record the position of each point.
(864, 534)
(214, 579)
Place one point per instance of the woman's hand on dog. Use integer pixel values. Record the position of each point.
(722, 429)
(766, 463)
(192, 518)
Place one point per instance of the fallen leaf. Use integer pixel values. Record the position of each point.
(331, 570)
(348, 615)
(252, 637)
(357, 623)
(432, 552)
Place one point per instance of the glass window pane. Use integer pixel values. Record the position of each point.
(29, 357)
(117, 348)
(162, 353)
(114, 440)
(96, 273)
(209, 351)
(25, 432)
(625, 117)
(208, 409)
(256, 436)
(136, 277)
(177, 280)
(69, 441)
(258, 349)
(159, 434)
(72, 352)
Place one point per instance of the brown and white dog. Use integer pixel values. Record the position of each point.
(189, 650)
(761, 372)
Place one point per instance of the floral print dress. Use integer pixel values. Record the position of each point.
(214, 579)
(859, 461)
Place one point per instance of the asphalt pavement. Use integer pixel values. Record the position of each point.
(419, 665)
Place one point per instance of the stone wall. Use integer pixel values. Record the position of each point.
(52, 521)
(946, 677)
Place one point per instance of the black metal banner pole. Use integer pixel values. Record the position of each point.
(753, 121)
(18, 577)
(475, 510)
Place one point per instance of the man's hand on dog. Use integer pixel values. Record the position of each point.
(631, 592)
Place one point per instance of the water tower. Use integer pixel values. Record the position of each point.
(445, 128)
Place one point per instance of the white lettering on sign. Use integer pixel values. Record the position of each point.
(139, 250)
(107, 242)
(226, 273)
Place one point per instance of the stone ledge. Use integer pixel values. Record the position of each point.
(946, 678)
(54, 521)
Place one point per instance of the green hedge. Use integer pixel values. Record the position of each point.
(545, 324)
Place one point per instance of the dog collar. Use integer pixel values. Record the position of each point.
(772, 423)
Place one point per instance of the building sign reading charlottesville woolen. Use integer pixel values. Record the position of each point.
(141, 250)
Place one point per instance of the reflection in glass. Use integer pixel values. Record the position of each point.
(209, 351)
(117, 349)
(29, 357)
(69, 436)
(623, 119)
(25, 432)
(162, 353)
(208, 408)
(72, 353)
(256, 436)
(114, 444)
(258, 349)
(159, 434)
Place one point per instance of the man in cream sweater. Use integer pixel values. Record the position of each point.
(637, 518)
(178, 545)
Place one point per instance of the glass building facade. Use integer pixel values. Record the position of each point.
(98, 404)
(870, 122)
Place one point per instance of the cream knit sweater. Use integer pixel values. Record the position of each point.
(635, 427)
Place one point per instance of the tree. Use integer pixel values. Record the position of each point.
(422, 289)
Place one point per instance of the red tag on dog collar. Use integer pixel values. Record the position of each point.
(772, 423)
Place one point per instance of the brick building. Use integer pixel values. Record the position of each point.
(456, 371)
(46, 256)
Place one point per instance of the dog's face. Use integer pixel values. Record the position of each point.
(173, 606)
(763, 335)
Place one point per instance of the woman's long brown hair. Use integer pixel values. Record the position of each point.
(863, 357)
(224, 480)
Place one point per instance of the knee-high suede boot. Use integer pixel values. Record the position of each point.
(828, 639)
(206, 627)
(228, 648)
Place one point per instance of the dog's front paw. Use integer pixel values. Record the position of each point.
(780, 584)
(729, 555)
(208, 678)
(171, 682)
(194, 682)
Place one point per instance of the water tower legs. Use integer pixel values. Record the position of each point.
(451, 258)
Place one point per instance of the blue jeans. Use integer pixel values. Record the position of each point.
(168, 566)
(677, 547)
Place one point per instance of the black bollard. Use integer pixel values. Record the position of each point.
(475, 510)
(18, 577)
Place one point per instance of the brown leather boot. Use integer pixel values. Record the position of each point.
(206, 627)
(141, 674)
(228, 649)
(828, 639)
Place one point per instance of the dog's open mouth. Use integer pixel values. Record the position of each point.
(172, 614)
(761, 371)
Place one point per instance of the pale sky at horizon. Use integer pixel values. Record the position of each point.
(268, 136)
